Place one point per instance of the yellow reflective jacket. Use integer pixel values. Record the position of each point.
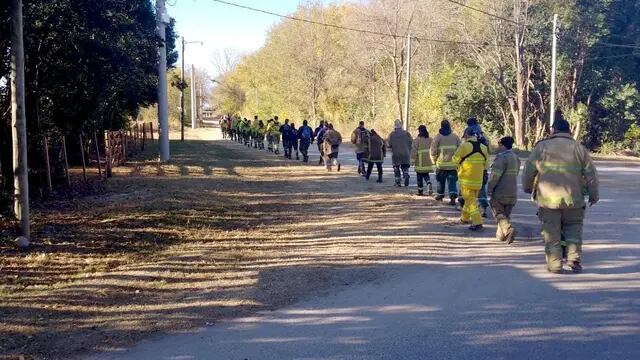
(471, 163)
(442, 150)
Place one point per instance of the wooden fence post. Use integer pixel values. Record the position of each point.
(95, 139)
(144, 134)
(66, 160)
(48, 163)
(107, 154)
(84, 164)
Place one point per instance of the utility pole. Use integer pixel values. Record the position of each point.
(407, 99)
(163, 104)
(552, 110)
(193, 97)
(182, 93)
(18, 121)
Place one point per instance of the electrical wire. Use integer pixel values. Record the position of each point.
(484, 12)
(370, 32)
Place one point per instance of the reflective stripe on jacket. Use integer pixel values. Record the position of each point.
(442, 150)
(471, 168)
(421, 155)
(560, 173)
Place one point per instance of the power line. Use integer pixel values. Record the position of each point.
(625, 46)
(353, 29)
(484, 12)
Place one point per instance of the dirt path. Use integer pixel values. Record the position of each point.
(225, 232)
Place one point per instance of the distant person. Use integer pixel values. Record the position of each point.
(275, 135)
(472, 158)
(332, 141)
(318, 134)
(559, 174)
(305, 136)
(284, 134)
(503, 188)
(443, 147)
(261, 132)
(421, 160)
(293, 141)
(400, 143)
(375, 152)
(358, 138)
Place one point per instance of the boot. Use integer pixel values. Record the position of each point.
(439, 197)
(339, 165)
(406, 180)
(476, 227)
(452, 202)
(429, 189)
(420, 192)
(511, 236)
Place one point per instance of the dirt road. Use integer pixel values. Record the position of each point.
(229, 253)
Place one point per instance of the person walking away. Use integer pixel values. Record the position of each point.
(254, 131)
(503, 188)
(559, 174)
(400, 143)
(305, 135)
(261, 133)
(275, 134)
(483, 199)
(421, 160)
(293, 141)
(443, 147)
(332, 141)
(375, 153)
(318, 134)
(471, 159)
(284, 134)
(358, 139)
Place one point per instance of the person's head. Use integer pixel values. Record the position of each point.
(471, 132)
(330, 126)
(361, 125)
(293, 126)
(445, 124)
(321, 123)
(373, 132)
(560, 124)
(275, 118)
(506, 143)
(304, 122)
(255, 117)
(286, 121)
(397, 124)
(260, 123)
(422, 131)
(472, 121)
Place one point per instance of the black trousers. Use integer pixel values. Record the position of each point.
(370, 169)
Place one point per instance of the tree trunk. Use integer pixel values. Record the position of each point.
(18, 120)
(520, 113)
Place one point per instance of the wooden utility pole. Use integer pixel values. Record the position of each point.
(407, 100)
(163, 105)
(554, 51)
(18, 120)
(182, 92)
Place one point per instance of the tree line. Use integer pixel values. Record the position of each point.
(90, 67)
(476, 58)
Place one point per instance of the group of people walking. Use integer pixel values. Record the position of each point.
(559, 173)
(294, 140)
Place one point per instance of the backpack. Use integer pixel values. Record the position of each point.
(477, 149)
(305, 133)
(363, 137)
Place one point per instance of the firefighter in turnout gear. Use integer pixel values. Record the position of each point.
(375, 152)
(443, 147)
(400, 142)
(421, 160)
(360, 140)
(503, 188)
(559, 174)
(471, 158)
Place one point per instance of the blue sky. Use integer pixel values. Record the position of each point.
(221, 26)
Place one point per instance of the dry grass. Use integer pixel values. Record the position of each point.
(219, 232)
